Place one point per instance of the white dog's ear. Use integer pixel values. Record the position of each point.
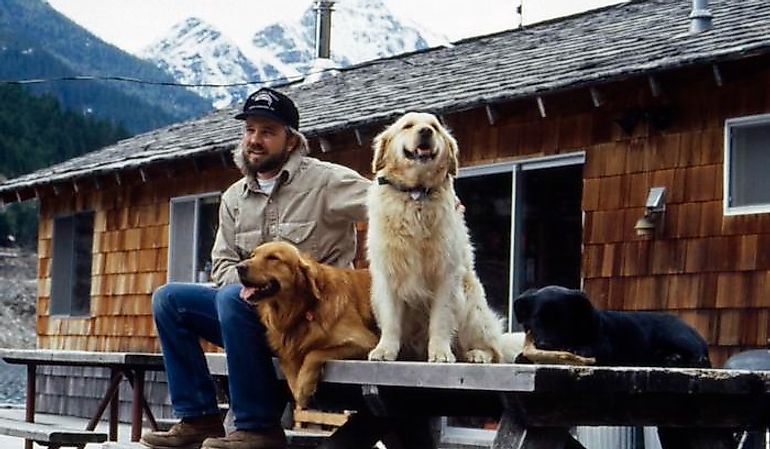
(379, 145)
(309, 269)
(453, 154)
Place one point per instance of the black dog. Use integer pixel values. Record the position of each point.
(560, 319)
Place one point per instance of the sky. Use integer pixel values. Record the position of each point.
(134, 24)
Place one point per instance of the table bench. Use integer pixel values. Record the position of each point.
(536, 404)
(49, 435)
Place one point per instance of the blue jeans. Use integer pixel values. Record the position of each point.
(186, 312)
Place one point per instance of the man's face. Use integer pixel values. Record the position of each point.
(266, 145)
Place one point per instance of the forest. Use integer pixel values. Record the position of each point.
(36, 132)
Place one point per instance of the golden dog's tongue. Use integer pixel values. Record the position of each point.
(246, 292)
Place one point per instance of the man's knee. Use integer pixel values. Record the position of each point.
(161, 299)
(228, 297)
(230, 305)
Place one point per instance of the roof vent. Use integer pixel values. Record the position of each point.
(700, 17)
(323, 67)
(323, 28)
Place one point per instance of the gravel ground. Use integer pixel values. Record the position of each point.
(18, 294)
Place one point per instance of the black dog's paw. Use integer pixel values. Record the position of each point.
(522, 359)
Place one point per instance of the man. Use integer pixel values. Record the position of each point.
(283, 195)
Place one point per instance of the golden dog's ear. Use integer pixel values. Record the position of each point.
(380, 145)
(309, 269)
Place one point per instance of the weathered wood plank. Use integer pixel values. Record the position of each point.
(50, 434)
(83, 358)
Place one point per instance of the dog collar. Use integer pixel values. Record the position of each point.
(416, 193)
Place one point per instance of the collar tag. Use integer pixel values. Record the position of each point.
(416, 193)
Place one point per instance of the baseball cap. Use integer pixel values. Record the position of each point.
(272, 104)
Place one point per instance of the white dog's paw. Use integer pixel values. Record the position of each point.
(479, 356)
(443, 355)
(384, 353)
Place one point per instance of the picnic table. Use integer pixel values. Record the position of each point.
(123, 365)
(536, 404)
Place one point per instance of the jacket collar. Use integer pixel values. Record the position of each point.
(288, 171)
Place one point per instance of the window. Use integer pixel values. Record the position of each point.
(73, 237)
(747, 156)
(487, 201)
(193, 227)
(539, 202)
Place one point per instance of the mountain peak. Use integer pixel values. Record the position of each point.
(361, 30)
(195, 52)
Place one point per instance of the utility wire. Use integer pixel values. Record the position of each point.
(154, 83)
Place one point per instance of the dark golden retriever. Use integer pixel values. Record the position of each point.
(312, 312)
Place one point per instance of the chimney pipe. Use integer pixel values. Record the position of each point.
(700, 17)
(323, 28)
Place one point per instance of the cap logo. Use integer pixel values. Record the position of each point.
(263, 97)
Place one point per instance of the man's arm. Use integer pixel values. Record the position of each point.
(224, 255)
(346, 198)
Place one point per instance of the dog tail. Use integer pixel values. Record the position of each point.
(512, 345)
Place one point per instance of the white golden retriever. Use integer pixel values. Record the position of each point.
(424, 288)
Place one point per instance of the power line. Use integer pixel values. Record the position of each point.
(149, 82)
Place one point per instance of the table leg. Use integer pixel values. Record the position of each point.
(411, 432)
(136, 405)
(112, 391)
(511, 434)
(361, 430)
(114, 411)
(29, 415)
(145, 406)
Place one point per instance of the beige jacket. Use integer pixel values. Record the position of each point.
(313, 205)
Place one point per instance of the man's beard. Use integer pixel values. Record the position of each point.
(268, 164)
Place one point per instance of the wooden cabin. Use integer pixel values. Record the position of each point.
(612, 150)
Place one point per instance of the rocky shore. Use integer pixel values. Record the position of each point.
(18, 294)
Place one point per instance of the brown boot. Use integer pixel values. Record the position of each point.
(186, 434)
(270, 438)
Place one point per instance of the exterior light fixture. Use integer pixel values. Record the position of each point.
(652, 220)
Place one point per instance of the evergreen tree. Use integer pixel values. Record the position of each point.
(35, 132)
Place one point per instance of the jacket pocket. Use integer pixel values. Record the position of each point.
(297, 233)
(246, 241)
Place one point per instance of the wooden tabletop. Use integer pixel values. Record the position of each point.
(542, 395)
(461, 376)
(81, 358)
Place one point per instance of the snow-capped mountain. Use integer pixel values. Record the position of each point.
(196, 52)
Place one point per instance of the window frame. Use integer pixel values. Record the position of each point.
(730, 125)
(196, 198)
